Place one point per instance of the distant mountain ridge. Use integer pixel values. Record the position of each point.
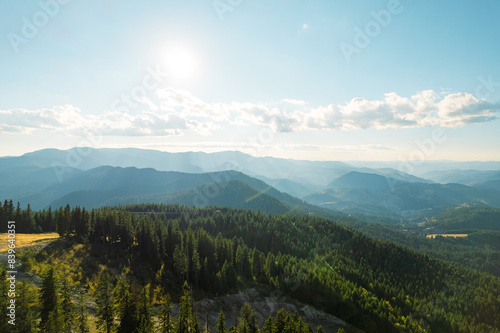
(369, 181)
(119, 176)
(233, 193)
(106, 185)
(300, 175)
(364, 192)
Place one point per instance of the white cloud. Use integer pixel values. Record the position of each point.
(294, 101)
(69, 119)
(176, 100)
(334, 148)
(173, 112)
(66, 116)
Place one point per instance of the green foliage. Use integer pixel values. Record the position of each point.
(82, 324)
(49, 312)
(104, 301)
(129, 321)
(164, 315)
(67, 306)
(145, 318)
(25, 318)
(374, 285)
(480, 250)
(467, 218)
(187, 321)
(221, 323)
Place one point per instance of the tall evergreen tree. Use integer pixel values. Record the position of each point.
(104, 299)
(248, 318)
(145, 321)
(221, 323)
(129, 323)
(25, 318)
(187, 321)
(268, 326)
(67, 305)
(19, 218)
(49, 312)
(164, 315)
(82, 324)
(180, 261)
(196, 265)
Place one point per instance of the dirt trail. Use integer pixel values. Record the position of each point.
(21, 271)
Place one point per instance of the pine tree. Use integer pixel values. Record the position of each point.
(268, 326)
(129, 322)
(9, 210)
(56, 323)
(19, 220)
(49, 312)
(82, 325)
(248, 320)
(196, 265)
(180, 261)
(66, 305)
(61, 226)
(24, 313)
(104, 299)
(164, 315)
(187, 321)
(145, 322)
(48, 222)
(221, 323)
(255, 263)
(281, 320)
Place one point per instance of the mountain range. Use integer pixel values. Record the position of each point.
(102, 177)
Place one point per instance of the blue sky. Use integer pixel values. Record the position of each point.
(321, 80)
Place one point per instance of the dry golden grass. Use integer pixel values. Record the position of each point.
(447, 235)
(23, 240)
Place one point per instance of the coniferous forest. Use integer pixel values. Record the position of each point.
(140, 268)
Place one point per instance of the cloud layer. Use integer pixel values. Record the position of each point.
(173, 112)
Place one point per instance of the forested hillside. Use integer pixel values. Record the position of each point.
(130, 258)
(466, 218)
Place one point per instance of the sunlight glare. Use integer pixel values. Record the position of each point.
(181, 63)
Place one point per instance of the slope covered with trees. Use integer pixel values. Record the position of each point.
(466, 219)
(371, 284)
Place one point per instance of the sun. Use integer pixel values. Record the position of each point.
(181, 63)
